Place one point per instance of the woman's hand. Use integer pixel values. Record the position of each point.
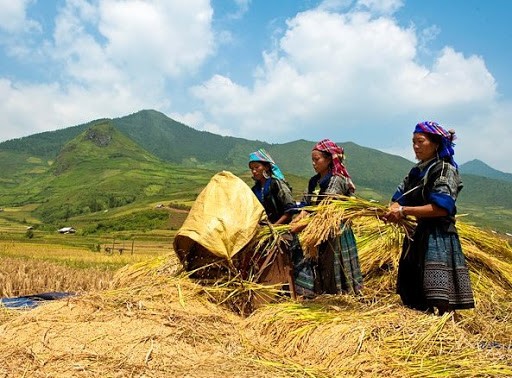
(395, 213)
(295, 228)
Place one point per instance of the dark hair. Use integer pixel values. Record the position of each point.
(434, 138)
(266, 164)
(326, 154)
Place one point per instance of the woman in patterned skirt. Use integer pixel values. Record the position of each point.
(336, 269)
(432, 271)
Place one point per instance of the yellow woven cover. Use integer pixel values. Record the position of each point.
(223, 219)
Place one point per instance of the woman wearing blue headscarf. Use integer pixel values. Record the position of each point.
(432, 273)
(270, 187)
(275, 195)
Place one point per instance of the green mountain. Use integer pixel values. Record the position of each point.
(99, 169)
(479, 168)
(147, 157)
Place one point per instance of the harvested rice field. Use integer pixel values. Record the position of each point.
(155, 321)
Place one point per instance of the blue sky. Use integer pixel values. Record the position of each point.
(364, 71)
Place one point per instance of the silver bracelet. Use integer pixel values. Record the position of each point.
(401, 211)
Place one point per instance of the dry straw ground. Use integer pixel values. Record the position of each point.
(154, 321)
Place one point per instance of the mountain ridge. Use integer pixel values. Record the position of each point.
(170, 147)
(54, 140)
(479, 168)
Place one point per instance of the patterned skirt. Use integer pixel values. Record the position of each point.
(433, 271)
(335, 271)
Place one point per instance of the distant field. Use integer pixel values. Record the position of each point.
(490, 218)
(35, 257)
(54, 262)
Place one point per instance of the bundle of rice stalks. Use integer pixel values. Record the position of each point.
(379, 247)
(343, 210)
(328, 220)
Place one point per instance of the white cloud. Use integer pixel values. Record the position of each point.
(169, 37)
(13, 17)
(54, 107)
(110, 58)
(349, 76)
(486, 135)
(132, 40)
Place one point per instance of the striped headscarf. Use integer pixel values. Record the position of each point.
(445, 149)
(337, 154)
(263, 156)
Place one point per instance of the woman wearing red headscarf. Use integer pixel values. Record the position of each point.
(336, 270)
(432, 272)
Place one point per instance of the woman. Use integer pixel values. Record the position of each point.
(336, 270)
(270, 187)
(432, 272)
(275, 195)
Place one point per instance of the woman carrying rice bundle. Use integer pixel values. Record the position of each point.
(275, 195)
(432, 270)
(336, 268)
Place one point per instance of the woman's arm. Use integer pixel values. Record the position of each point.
(397, 212)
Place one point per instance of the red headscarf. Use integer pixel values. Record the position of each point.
(337, 154)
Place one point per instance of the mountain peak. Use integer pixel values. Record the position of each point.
(99, 143)
(479, 168)
(100, 135)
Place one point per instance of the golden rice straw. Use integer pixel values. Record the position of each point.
(329, 218)
(485, 241)
(343, 338)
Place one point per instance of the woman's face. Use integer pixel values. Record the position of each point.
(424, 148)
(258, 169)
(320, 162)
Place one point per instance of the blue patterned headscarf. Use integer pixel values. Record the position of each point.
(263, 156)
(445, 149)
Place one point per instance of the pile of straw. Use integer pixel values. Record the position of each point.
(156, 321)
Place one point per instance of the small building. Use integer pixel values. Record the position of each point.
(67, 230)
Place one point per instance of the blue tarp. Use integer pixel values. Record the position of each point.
(34, 300)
